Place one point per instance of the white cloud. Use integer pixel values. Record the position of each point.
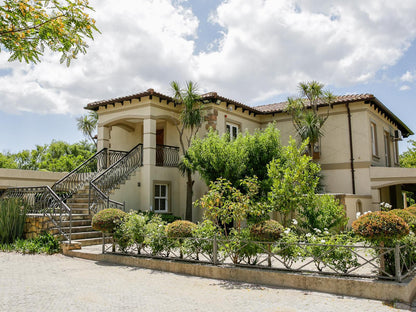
(267, 47)
(404, 88)
(408, 76)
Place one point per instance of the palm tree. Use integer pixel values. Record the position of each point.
(304, 110)
(191, 119)
(87, 124)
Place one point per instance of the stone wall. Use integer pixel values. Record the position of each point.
(36, 224)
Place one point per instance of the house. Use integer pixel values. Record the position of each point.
(358, 154)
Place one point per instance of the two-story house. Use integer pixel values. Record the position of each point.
(358, 152)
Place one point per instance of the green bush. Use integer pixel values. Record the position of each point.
(288, 248)
(268, 230)
(239, 247)
(107, 220)
(132, 231)
(407, 216)
(12, 219)
(156, 236)
(44, 243)
(168, 218)
(380, 226)
(180, 228)
(411, 209)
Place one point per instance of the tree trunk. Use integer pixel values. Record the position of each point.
(189, 187)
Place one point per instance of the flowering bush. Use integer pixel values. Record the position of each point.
(288, 248)
(107, 220)
(180, 228)
(408, 217)
(268, 230)
(239, 247)
(156, 236)
(380, 226)
(385, 206)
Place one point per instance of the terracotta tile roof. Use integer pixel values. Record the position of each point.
(95, 105)
(263, 109)
(279, 107)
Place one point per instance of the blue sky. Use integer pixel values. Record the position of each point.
(252, 51)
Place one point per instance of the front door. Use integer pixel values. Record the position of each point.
(160, 138)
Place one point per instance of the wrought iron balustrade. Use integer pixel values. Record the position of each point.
(43, 200)
(117, 173)
(81, 175)
(167, 156)
(114, 156)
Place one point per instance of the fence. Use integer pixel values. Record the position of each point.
(353, 260)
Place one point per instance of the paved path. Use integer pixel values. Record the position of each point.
(59, 283)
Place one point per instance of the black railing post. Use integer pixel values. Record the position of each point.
(397, 265)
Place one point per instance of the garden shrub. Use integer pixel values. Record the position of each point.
(168, 218)
(44, 243)
(131, 231)
(107, 220)
(288, 248)
(407, 216)
(239, 247)
(380, 226)
(180, 228)
(411, 209)
(12, 219)
(268, 230)
(156, 238)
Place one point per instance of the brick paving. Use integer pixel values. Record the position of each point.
(59, 283)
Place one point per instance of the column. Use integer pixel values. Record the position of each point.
(149, 162)
(103, 140)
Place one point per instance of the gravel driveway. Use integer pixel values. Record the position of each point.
(59, 283)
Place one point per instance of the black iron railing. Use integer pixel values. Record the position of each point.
(43, 200)
(84, 173)
(167, 156)
(117, 173)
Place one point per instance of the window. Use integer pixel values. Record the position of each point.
(396, 152)
(161, 197)
(387, 149)
(374, 139)
(232, 129)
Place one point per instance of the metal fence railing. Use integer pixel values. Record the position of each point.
(353, 260)
(167, 156)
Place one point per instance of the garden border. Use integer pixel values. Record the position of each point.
(364, 288)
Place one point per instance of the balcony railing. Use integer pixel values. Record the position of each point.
(167, 156)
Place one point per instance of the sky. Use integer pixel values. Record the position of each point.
(255, 52)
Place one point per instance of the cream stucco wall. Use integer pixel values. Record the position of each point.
(123, 125)
(23, 178)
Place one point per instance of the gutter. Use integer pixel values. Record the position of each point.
(351, 148)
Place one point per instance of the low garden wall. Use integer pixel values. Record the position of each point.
(36, 224)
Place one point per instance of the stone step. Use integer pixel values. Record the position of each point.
(75, 229)
(77, 205)
(93, 241)
(76, 223)
(80, 210)
(75, 216)
(84, 235)
(77, 200)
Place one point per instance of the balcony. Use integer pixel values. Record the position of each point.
(167, 156)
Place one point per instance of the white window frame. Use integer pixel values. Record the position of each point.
(230, 129)
(166, 197)
(396, 152)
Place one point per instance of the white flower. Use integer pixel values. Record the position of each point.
(325, 229)
(357, 215)
(286, 231)
(317, 230)
(294, 221)
(308, 235)
(322, 241)
(382, 204)
(313, 238)
(326, 232)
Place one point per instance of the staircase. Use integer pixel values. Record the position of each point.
(71, 201)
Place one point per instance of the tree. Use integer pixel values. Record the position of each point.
(27, 27)
(57, 156)
(304, 110)
(191, 119)
(217, 157)
(408, 158)
(87, 124)
(294, 181)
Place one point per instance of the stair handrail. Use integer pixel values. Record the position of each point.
(76, 179)
(107, 180)
(42, 199)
